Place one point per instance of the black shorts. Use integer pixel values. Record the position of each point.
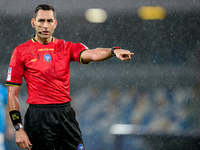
(53, 127)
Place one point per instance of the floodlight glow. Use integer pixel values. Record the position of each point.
(152, 13)
(96, 15)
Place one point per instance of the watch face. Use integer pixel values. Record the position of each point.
(17, 127)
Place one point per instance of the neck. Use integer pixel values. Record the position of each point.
(43, 40)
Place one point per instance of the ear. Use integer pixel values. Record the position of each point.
(56, 22)
(33, 22)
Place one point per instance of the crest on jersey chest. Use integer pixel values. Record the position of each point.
(47, 57)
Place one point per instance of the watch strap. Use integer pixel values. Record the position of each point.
(112, 50)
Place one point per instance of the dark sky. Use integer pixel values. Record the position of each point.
(78, 7)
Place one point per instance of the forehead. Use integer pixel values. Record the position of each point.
(45, 14)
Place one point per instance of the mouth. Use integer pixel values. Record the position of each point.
(45, 32)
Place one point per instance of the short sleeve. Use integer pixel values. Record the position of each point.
(76, 51)
(15, 69)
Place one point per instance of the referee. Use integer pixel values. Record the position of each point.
(44, 61)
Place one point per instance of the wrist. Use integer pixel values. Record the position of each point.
(113, 49)
(15, 117)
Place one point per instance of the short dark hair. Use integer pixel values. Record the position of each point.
(44, 7)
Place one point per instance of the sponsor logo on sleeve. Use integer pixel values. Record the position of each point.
(9, 74)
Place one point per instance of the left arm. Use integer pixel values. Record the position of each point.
(100, 54)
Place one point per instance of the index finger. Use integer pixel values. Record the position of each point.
(129, 53)
(28, 145)
(29, 148)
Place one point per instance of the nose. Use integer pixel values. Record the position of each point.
(46, 25)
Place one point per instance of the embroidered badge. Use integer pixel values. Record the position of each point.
(47, 57)
(80, 147)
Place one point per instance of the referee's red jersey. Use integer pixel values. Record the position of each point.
(45, 68)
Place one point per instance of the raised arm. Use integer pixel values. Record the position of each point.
(100, 54)
(22, 139)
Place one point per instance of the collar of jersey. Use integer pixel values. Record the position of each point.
(34, 40)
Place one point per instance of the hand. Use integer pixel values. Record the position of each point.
(123, 54)
(22, 139)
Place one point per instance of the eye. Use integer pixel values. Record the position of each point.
(41, 20)
(50, 20)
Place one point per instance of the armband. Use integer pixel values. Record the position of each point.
(15, 117)
(112, 50)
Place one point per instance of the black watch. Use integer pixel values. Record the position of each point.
(17, 127)
(112, 50)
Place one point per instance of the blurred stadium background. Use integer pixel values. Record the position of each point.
(158, 91)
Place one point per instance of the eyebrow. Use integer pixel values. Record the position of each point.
(44, 19)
